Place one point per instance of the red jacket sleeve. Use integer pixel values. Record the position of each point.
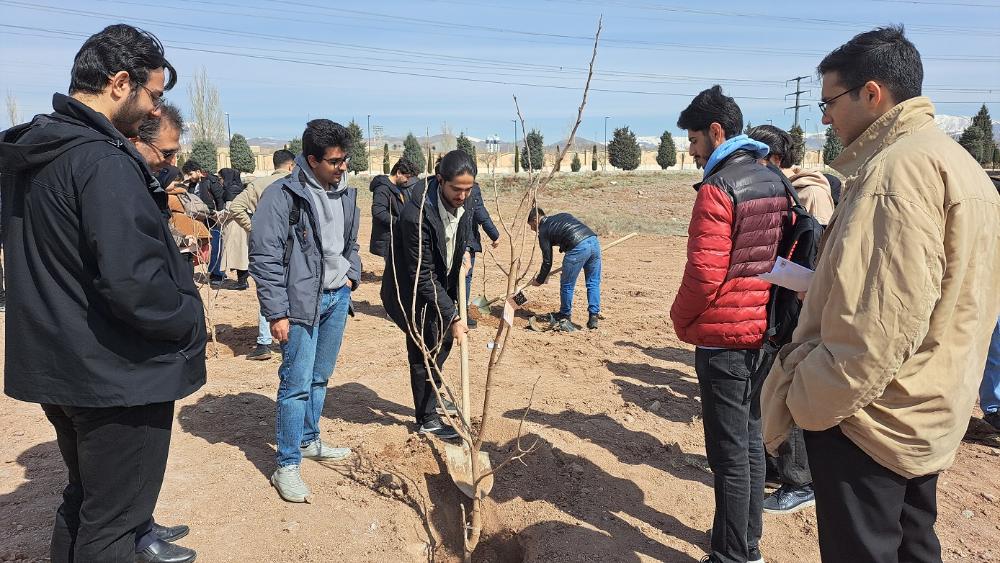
(710, 241)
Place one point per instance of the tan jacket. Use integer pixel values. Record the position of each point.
(893, 335)
(814, 192)
(244, 204)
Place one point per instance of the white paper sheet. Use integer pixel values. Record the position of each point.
(789, 275)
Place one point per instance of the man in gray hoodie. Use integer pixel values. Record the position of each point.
(304, 258)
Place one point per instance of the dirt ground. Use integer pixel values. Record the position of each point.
(619, 473)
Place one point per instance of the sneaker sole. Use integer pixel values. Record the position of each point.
(259, 358)
(303, 499)
(794, 509)
(338, 458)
(440, 437)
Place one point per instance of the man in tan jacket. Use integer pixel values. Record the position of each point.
(241, 208)
(883, 368)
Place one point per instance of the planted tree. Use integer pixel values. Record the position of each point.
(385, 159)
(430, 160)
(666, 154)
(798, 144)
(240, 155)
(576, 165)
(534, 151)
(517, 160)
(832, 147)
(413, 152)
(359, 150)
(623, 150)
(204, 153)
(593, 161)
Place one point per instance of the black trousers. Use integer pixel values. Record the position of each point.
(730, 400)
(116, 458)
(865, 512)
(791, 464)
(424, 399)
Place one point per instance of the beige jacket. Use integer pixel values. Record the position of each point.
(814, 192)
(893, 335)
(244, 204)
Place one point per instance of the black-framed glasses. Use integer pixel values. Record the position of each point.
(823, 105)
(157, 100)
(335, 162)
(166, 155)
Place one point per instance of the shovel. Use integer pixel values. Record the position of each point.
(459, 456)
(483, 304)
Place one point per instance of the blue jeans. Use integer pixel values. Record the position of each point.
(263, 331)
(307, 362)
(215, 258)
(585, 256)
(468, 278)
(989, 390)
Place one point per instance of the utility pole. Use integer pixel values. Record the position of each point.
(514, 121)
(369, 142)
(229, 131)
(798, 92)
(604, 167)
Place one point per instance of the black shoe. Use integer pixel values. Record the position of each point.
(216, 283)
(240, 285)
(789, 499)
(435, 426)
(261, 352)
(592, 321)
(993, 418)
(163, 552)
(444, 405)
(565, 325)
(170, 533)
(472, 323)
(755, 556)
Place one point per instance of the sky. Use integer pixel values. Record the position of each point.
(416, 66)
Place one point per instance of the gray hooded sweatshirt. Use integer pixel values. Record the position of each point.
(330, 222)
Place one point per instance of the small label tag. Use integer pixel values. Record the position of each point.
(508, 313)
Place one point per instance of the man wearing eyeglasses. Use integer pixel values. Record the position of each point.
(304, 258)
(892, 339)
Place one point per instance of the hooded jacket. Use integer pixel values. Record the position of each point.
(388, 200)
(733, 236)
(813, 190)
(101, 308)
(481, 218)
(892, 338)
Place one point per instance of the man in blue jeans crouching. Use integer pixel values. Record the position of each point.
(583, 252)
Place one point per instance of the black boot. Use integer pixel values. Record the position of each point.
(241, 280)
(592, 321)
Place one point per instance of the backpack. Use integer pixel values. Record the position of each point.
(294, 218)
(799, 243)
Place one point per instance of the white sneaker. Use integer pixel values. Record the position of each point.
(291, 487)
(316, 450)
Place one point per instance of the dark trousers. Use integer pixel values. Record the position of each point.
(468, 278)
(115, 457)
(865, 512)
(730, 399)
(215, 258)
(791, 464)
(424, 399)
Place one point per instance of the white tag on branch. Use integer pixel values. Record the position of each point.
(490, 345)
(508, 313)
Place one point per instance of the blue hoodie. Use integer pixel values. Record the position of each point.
(756, 148)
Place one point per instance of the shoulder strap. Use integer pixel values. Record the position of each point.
(294, 218)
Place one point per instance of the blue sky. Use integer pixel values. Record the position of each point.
(415, 65)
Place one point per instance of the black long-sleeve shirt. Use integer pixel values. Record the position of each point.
(562, 230)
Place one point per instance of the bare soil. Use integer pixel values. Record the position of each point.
(619, 473)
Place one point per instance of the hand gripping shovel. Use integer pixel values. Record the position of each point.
(459, 456)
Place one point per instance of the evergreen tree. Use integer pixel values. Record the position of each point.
(517, 160)
(984, 122)
(240, 155)
(798, 144)
(430, 160)
(205, 154)
(746, 130)
(465, 145)
(534, 151)
(295, 145)
(576, 165)
(972, 140)
(385, 159)
(593, 159)
(623, 150)
(359, 149)
(832, 147)
(666, 155)
(413, 152)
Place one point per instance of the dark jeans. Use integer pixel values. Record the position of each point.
(730, 400)
(424, 399)
(468, 278)
(215, 258)
(115, 457)
(867, 513)
(792, 464)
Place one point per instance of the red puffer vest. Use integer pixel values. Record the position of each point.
(735, 228)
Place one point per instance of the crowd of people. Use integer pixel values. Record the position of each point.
(857, 411)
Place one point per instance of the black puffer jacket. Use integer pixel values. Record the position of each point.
(562, 230)
(102, 311)
(387, 202)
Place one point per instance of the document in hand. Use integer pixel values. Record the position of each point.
(789, 275)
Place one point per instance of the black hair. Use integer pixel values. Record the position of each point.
(535, 213)
(405, 166)
(778, 141)
(437, 165)
(149, 129)
(191, 166)
(883, 55)
(712, 106)
(281, 156)
(454, 164)
(322, 134)
(114, 49)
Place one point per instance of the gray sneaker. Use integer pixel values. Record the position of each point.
(320, 452)
(291, 487)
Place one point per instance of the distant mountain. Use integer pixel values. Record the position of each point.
(953, 125)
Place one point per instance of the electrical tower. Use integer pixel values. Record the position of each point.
(798, 92)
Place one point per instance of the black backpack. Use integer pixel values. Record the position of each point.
(799, 243)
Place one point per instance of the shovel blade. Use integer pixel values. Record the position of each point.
(483, 304)
(459, 461)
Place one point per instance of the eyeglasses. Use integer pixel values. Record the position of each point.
(823, 105)
(166, 155)
(157, 100)
(335, 162)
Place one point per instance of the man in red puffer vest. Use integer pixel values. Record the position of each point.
(721, 308)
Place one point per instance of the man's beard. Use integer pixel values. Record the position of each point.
(128, 117)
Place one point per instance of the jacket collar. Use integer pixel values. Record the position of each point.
(736, 157)
(901, 120)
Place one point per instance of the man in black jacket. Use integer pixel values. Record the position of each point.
(211, 190)
(95, 273)
(389, 195)
(481, 218)
(430, 240)
(583, 252)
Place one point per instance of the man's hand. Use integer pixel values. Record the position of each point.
(535, 283)
(459, 330)
(279, 329)
(496, 244)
